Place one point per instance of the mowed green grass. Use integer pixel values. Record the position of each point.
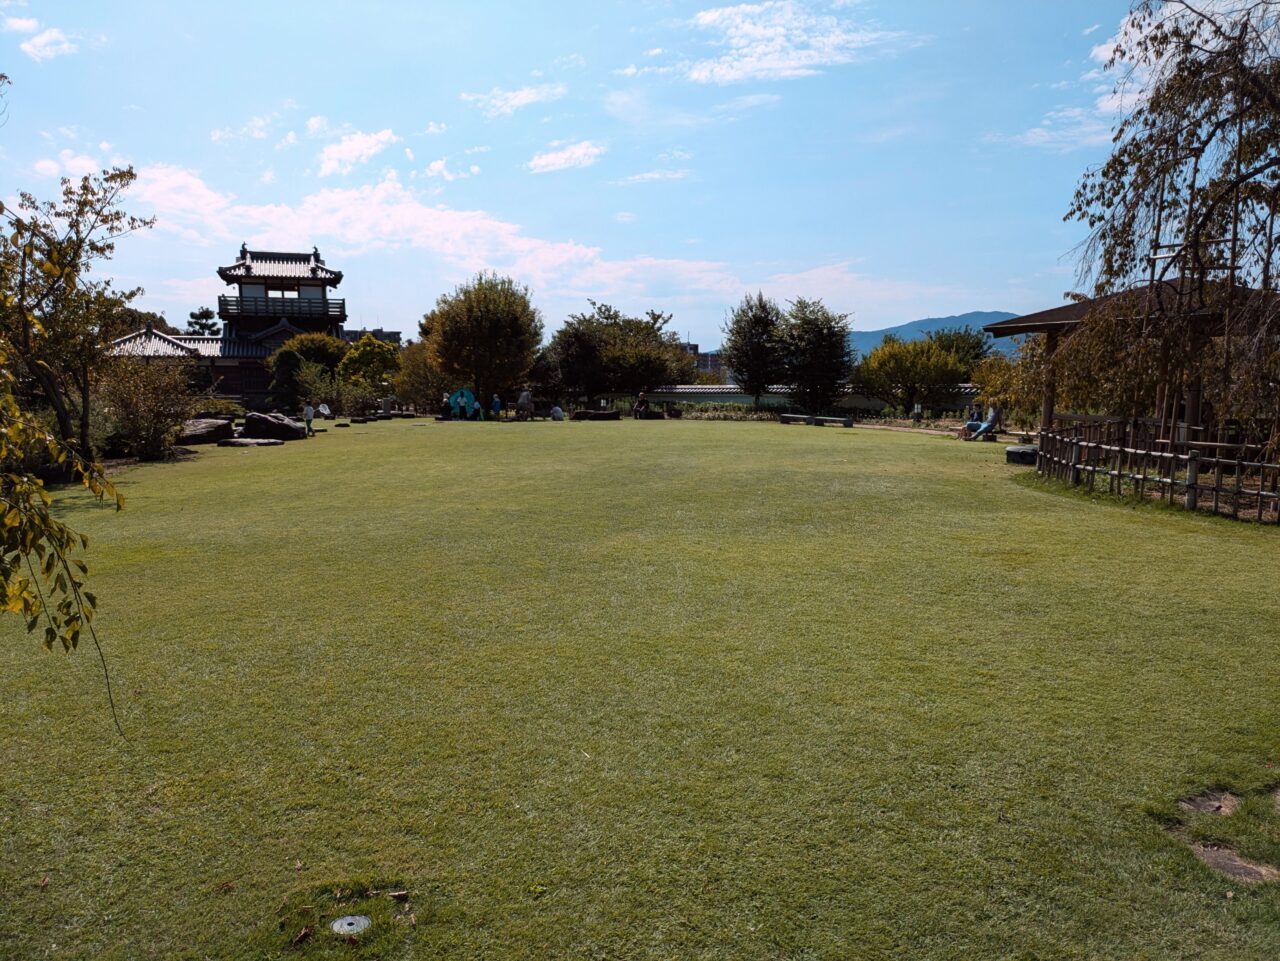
(645, 690)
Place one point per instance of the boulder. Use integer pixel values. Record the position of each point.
(250, 442)
(204, 430)
(272, 427)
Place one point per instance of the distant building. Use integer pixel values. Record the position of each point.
(707, 363)
(386, 336)
(277, 296)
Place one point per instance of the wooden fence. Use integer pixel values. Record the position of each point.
(1229, 479)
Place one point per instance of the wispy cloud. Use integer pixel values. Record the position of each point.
(255, 128)
(581, 154)
(352, 149)
(502, 103)
(779, 39)
(1088, 30)
(434, 129)
(749, 102)
(651, 176)
(21, 24)
(48, 44)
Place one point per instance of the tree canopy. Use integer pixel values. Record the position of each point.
(484, 334)
(818, 356)
(605, 351)
(902, 373)
(369, 362)
(1188, 195)
(752, 347)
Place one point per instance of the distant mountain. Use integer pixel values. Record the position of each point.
(865, 341)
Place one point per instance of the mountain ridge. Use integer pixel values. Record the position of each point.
(865, 341)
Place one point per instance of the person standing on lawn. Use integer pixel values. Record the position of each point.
(308, 415)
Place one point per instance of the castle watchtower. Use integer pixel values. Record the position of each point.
(279, 295)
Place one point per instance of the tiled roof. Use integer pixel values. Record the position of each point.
(277, 265)
(151, 343)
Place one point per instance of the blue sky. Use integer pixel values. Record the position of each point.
(898, 160)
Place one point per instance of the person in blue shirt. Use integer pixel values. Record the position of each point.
(496, 407)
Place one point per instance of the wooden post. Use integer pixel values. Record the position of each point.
(1050, 381)
(1075, 463)
(1193, 478)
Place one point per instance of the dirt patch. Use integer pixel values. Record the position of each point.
(1226, 862)
(1222, 803)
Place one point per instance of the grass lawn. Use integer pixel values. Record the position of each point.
(643, 690)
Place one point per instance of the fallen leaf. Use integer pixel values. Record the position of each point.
(306, 932)
(398, 895)
(297, 865)
(44, 882)
(226, 887)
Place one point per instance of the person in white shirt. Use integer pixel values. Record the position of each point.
(308, 415)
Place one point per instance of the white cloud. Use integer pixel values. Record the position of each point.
(47, 45)
(581, 154)
(471, 150)
(21, 24)
(68, 164)
(655, 52)
(624, 217)
(317, 126)
(676, 154)
(650, 176)
(268, 177)
(779, 39)
(408, 154)
(288, 140)
(440, 168)
(501, 103)
(352, 149)
(387, 215)
(434, 128)
(1089, 30)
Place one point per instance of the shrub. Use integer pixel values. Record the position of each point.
(147, 402)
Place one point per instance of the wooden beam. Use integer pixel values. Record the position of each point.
(1050, 382)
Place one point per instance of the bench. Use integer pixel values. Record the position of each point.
(816, 421)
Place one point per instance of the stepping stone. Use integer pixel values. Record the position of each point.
(1227, 862)
(1223, 803)
(250, 442)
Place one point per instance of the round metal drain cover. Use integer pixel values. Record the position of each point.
(351, 926)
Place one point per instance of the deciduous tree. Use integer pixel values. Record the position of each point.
(819, 358)
(484, 334)
(753, 348)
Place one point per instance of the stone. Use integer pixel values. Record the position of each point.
(1021, 454)
(205, 430)
(272, 427)
(250, 442)
(1222, 803)
(1226, 862)
(344, 424)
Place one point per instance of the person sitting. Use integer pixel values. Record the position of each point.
(556, 412)
(496, 407)
(989, 426)
(641, 409)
